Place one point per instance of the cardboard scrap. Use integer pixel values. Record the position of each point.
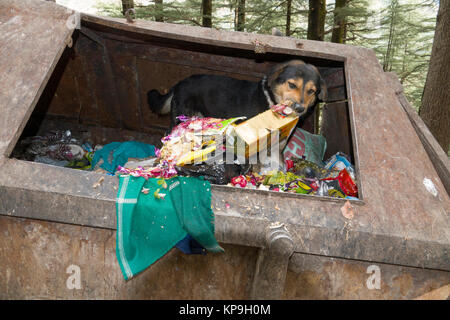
(259, 132)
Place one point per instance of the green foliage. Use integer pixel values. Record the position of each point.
(262, 15)
(173, 11)
(403, 43)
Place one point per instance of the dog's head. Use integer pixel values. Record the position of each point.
(298, 82)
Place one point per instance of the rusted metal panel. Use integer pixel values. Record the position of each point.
(125, 73)
(335, 128)
(33, 35)
(392, 162)
(196, 37)
(177, 54)
(315, 277)
(242, 216)
(35, 257)
(100, 70)
(437, 156)
(60, 96)
(335, 81)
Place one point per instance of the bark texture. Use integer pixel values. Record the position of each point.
(435, 109)
(240, 16)
(316, 19)
(207, 13)
(159, 16)
(127, 4)
(288, 17)
(338, 34)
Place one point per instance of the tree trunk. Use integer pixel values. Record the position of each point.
(288, 17)
(338, 35)
(239, 13)
(159, 16)
(435, 109)
(316, 19)
(127, 4)
(387, 63)
(207, 13)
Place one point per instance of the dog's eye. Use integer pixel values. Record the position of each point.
(292, 86)
(311, 91)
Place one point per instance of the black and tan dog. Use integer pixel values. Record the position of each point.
(225, 97)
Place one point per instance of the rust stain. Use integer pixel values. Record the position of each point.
(347, 210)
(325, 278)
(35, 261)
(404, 283)
(260, 47)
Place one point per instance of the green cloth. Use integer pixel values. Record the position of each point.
(148, 226)
(116, 154)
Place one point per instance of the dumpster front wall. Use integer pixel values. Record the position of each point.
(315, 277)
(38, 259)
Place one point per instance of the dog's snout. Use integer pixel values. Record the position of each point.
(298, 107)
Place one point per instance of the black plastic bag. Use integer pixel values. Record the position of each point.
(215, 173)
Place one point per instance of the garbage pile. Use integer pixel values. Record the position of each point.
(201, 147)
(192, 149)
(57, 148)
(335, 179)
(193, 141)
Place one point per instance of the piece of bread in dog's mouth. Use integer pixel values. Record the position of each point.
(283, 108)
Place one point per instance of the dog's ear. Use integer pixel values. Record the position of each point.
(274, 73)
(323, 94)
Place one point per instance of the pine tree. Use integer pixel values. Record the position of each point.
(404, 43)
(288, 17)
(263, 15)
(316, 19)
(159, 10)
(177, 11)
(207, 13)
(240, 15)
(127, 4)
(339, 21)
(435, 109)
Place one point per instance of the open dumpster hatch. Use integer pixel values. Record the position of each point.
(91, 76)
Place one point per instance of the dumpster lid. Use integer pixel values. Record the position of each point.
(33, 35)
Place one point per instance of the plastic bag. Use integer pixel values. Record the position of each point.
(303, 144)
(341, 186)
(307, 169)
(340, 161)
(216, 173)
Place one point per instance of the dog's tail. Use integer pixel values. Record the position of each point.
(159, 103)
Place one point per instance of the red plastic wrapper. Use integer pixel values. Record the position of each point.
(250, 180)
(313, 183)
(346, 183)
(239, 181)
(289, 164)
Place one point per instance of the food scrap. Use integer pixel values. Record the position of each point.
(283, 109)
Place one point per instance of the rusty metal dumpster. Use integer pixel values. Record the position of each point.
(92, 73)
